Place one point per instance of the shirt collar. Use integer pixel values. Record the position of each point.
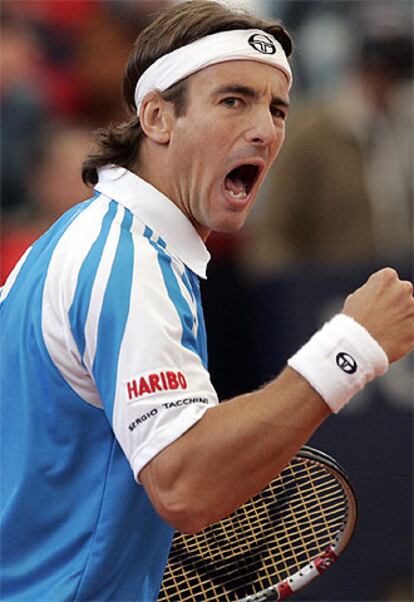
(157, 212)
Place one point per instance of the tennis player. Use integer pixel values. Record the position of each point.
(112, 431)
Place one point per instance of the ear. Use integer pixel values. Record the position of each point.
(156, 118)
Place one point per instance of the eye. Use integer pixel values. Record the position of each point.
(232, 102)
(277, 112)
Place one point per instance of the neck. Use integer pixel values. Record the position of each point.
(151, 165)
(152, 168)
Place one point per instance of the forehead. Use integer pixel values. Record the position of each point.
(262, 77)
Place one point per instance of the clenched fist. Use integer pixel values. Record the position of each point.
(384, 305)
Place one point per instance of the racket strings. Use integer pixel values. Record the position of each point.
(236, 576)
(270, 537)
(220, 538)
(220, 532)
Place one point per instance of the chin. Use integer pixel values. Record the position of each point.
(229, 225)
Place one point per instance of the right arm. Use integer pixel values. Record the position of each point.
(241, 445)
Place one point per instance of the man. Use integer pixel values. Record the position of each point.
(106, 368)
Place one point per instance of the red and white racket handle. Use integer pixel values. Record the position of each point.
(297, 581)
(306, 575)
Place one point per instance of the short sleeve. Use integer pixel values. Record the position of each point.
(150, 342)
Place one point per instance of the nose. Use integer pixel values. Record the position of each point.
(264, 130)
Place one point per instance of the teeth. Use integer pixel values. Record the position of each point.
(238, 195)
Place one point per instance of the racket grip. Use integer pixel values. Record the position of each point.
(307, 574)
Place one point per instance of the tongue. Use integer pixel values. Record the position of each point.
(234, 184)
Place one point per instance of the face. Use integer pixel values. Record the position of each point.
(222, 148)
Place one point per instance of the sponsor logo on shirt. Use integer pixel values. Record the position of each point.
(155, 382)
(169, 405)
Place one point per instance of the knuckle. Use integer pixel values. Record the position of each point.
(384, 275)
(407, 287)
(389, 274)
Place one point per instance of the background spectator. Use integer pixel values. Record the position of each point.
(342, 189)
(61, 68)
(51, 190)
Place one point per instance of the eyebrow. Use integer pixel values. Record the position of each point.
(249, 92)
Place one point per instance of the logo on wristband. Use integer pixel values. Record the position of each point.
(346, 363)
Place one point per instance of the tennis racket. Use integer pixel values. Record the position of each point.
(274, 544)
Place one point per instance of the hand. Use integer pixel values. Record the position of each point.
(384, 305)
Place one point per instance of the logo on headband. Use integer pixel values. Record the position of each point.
(262, 43)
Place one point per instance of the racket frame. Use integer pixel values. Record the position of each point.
(320, 564)
(323, 561)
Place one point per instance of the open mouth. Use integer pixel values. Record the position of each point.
(239, 182)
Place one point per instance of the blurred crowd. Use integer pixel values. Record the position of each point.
(61, 63)
(342, 189)
(341, 192)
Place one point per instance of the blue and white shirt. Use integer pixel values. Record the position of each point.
(104, 364)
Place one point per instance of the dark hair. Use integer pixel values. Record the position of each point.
(176, 26)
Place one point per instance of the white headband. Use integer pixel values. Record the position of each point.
(236, 45)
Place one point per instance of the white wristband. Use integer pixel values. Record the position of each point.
(339, 360)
